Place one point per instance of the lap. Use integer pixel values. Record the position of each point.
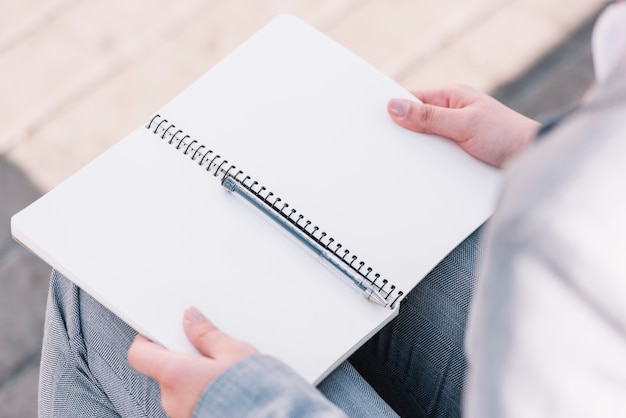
(85, 371)
(416, 363)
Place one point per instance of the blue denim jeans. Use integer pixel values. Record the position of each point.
(416, 364)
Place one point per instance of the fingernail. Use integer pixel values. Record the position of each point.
(398, 108)
(192, 314)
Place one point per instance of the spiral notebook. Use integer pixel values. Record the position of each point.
(147, 228)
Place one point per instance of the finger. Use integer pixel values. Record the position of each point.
(146, 357)
(427, 118)
(453, 97)
(203, 334)
(435, 97)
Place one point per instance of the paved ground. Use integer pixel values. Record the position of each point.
(78, 75)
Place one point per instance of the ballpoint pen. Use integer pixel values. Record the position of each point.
(367, 288)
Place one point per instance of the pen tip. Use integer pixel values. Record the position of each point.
(376, 297)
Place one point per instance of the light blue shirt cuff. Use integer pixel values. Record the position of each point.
(261, 386)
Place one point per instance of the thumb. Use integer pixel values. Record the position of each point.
(424, 117)
(202, 333)
(213, 342)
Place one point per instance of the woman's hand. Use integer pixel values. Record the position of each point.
(183, 377)
(482, 126)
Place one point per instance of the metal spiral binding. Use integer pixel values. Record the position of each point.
(217, 165)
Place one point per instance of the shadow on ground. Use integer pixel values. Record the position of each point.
(23, 289)
(555, 81)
